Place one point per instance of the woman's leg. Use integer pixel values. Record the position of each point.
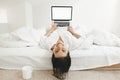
(70, 29)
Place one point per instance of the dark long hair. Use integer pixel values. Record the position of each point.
(61, 65)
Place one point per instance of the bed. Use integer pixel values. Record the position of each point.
(40, 59)
(20, 48)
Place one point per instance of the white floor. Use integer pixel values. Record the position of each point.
(73, 75)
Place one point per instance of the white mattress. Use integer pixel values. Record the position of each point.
(97, 56)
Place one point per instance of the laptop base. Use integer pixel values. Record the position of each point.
(62, 24)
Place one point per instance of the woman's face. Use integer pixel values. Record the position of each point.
(59, 48)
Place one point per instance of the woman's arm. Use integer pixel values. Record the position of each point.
(53, 27)
(70, 29)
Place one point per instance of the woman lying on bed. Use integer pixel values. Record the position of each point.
(60, 41)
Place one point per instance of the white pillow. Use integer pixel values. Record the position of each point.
(105, 38)
(87, 43)
(25, 34)
(80, 30)
(5, 36)
(29, 34)
(83, 30)
(8, 36)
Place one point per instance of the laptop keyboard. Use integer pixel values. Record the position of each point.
(62, 24)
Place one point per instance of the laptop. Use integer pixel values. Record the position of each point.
(62, 15)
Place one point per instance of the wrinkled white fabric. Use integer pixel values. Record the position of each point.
(97, 56)
(69, 40)
(105, 38)
(22, 37)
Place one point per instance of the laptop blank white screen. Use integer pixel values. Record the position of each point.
(61, 13)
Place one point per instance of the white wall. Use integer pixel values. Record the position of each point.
(28, 14)
(19, 14)
(42, 12)
(95, 13)
(3, 28)
(41, 16)
(99, 14)
(116, 25)
(16, 16)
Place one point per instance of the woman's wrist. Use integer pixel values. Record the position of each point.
(72, 32)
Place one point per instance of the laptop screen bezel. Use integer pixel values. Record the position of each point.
(61, 7)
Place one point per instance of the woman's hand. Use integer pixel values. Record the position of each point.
(54, 26)
(70, 29)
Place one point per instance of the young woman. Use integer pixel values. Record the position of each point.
(60, 42)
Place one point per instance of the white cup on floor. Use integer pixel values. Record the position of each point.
(27, 72)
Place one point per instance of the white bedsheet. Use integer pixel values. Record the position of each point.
(97, 56)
